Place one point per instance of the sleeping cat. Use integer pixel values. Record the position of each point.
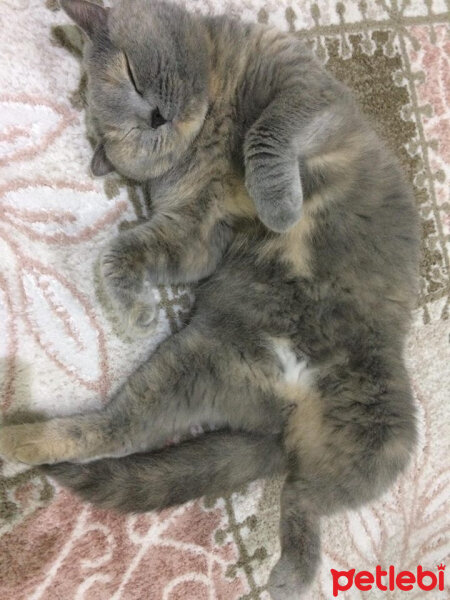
(273, 196)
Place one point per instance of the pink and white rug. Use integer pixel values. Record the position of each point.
(59, 353)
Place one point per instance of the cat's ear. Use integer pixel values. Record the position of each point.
(90, 17)
(100, 164)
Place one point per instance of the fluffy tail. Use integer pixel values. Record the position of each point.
(213, 464)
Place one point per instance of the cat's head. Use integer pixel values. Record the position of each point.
(148, 83)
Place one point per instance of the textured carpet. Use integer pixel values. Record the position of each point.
(59, 352)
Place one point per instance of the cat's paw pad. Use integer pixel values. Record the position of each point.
(285, 582)
(32, 444)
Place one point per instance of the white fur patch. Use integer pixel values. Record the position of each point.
(295, 370)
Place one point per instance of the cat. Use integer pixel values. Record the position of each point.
(275, 199)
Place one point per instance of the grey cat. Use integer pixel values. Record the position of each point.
(274, 197)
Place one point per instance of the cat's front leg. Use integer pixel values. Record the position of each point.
(275, 187)
(272, 171)
(177, 247)
(124, 281)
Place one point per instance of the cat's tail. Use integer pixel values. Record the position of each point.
(213, 464)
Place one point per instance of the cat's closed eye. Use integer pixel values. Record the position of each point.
(131, 76)
(156, 118)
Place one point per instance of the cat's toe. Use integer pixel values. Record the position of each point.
(21, 443)
(142, 318)
(285, 582)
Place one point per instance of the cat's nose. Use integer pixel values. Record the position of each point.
(156, 119)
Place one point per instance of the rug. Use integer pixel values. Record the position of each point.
(60, 353)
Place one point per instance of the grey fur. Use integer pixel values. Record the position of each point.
(274, 197)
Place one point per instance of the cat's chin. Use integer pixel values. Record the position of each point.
(141, 170)
(138, 163)
(143, 173)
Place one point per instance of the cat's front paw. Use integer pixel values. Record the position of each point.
(121, 270)
(278, 196)
(131, 298)
(285, 582)
(141, 318)
(34, 443)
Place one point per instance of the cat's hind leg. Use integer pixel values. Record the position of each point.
(349, 437)
(78, 437)
(202, 375)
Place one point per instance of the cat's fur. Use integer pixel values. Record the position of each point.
(274, 197)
